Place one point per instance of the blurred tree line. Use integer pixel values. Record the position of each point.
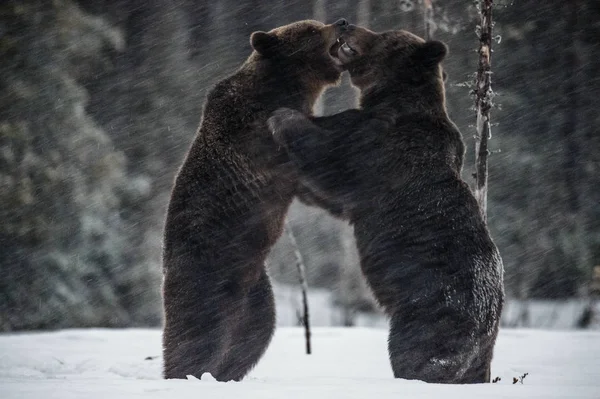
(99, 100)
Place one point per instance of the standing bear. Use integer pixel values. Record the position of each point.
(229, 203)
(393, 169)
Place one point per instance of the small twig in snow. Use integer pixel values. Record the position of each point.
(303, 284)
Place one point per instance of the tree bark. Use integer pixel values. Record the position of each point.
(428, 19)
(303, 284)
(319, 14)
(483, 103)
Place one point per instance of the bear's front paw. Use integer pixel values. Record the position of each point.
(282, 120)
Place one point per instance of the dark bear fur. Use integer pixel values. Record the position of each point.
(229, 203)
(393, 168)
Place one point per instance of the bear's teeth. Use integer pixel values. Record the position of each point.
(347, 49)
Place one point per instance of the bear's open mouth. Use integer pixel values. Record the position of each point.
(333, 50)
(347, 50)
(341, 52)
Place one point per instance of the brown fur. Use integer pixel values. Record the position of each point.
(393, 168)
(228, 205)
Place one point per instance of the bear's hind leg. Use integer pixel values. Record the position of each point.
(434, 351)
(252, 333)
(480, 370)
(195, 331)
(194, 352)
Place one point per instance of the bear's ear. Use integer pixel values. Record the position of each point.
(264, 43)
(430, 53)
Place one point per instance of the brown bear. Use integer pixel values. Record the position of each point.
(393, 168)
(229, 203)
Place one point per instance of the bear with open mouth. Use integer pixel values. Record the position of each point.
(393, 169)
(229, 202)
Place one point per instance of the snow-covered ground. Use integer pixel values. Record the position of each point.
(531, 313)
(346, 363)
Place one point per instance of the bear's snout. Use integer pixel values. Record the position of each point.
(342, 23)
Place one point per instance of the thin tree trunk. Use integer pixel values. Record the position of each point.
(574, 173)
(320, 14)
(363, 13)
(348, 294)
(571, 69)
(303, 284)
(428, 19)
(483, 103)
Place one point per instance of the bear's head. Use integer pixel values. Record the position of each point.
(390, 58)
(306, 49)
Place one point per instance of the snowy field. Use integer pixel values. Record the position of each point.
(347, 363)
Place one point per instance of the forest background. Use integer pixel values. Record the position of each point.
(100, 99)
